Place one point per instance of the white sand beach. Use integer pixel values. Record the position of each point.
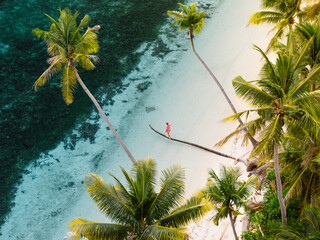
(182, 94)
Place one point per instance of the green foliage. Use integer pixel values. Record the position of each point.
(67, 47)
(227, 192)
(283, 14)
(189, 18)
(267, 220)
(137, 210)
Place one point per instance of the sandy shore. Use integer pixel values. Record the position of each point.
(184, 95)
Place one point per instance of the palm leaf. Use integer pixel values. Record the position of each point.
(84, 23)
(46, 75)
(294, 189)
(171, 190)
(108, 200)
(270, 135)
(97, 231)
(193, 209)
(265, 17)
(222, 212)
(251, 93)
(301, 85)
(69, 82)
(267, 60)
(184, 8)
(162, 233)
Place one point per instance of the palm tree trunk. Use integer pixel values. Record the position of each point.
(102, 113)
(279, 186)
(233, 227)
(245, 162)
(252, 140)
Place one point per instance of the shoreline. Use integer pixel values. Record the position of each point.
(183, 94)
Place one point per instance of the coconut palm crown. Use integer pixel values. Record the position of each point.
(228, 193)
(67, 47)
(138, 211)
(190, 18)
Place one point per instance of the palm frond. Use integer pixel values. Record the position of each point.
(163, 233)
(55, 67)
(84, 23)
(222, 212)
(86, 61)
(251, 93)
(184, 8)
(301, 85)
(295, 188)
(265, 17)
(195, 208)
(269, 136)
(171, 191)
(69, 82)
(97, 231)
(144, 172)
(108, 200)
(40, 33)
(267, 61)
(275, 38)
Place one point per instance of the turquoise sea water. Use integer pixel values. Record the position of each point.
(46, 147)
(35, 122)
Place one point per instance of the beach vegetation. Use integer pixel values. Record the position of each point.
(281, 102)
(284, 14)
(68, 48)
(311, 226)
(136, 209)
(228, 193)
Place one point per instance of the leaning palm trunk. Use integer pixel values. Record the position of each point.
(233, 227)
(102, 113)
(279, 186)
(252, 140)
(245, 162)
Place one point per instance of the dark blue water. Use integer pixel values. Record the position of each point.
(35, 122)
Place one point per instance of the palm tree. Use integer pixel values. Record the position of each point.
(227, 192)
(192, 20)
(138, 211)
(281, 13)
(281, 99)
(67, 48)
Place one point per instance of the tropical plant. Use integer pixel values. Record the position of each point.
(228, 193)
(68, 48)
(311, 11)
(138, 211)
(302, 160)
(192, 20)
(305, 33)
(282, 100)
(283, 14)
(311, 221)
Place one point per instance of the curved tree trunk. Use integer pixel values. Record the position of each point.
(203, 148)
(233, 227)
(279, 186)
(103, 114)
(252, 140)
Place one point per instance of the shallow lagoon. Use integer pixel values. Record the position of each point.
(34, 123)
